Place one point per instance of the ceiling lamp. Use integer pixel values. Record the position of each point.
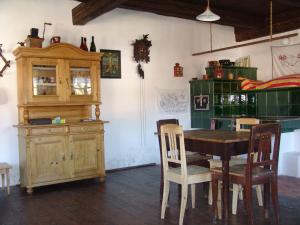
(208, 15)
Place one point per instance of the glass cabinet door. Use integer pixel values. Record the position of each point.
(44, 80)
(80, 81)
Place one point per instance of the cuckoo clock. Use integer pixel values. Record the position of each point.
(141, 51)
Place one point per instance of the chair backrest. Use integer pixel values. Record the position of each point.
(241, 122)
(267, 149)
(159, 123)
(174, 151)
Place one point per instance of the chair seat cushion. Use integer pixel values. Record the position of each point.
(194, 156)
(233, 161)
(191, 170)
(239, 170)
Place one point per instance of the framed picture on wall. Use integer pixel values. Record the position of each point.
(201, 102)
(110, 63)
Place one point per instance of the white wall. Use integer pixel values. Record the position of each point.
(129, 137)
(260, 54)
(128, 103)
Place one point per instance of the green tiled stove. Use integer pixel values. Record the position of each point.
(227, 102)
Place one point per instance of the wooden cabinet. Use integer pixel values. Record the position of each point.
(47, 156)
(60, 80)
(87, 150)
(61, 73)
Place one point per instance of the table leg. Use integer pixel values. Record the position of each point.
(225, 196)
(3, 181)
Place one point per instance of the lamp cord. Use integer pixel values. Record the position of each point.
(210, 32)
(271, 34)
(271, 19)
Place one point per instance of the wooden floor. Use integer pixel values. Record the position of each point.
(128, 197)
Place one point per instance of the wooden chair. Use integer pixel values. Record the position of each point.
(263, 170)
(241, 124)
(173, 151)
(192, 158)
(4, 171)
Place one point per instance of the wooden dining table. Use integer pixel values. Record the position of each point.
(219, 143)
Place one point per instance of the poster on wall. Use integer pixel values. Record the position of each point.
(173, 102)
(110, 63)
(201, 102)
(286, 60)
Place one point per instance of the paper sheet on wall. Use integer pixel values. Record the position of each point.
(286, 60)
(173, 101)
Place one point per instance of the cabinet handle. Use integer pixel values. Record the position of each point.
(98, 150)
(71, 156)
(64, 157)
(67, 80)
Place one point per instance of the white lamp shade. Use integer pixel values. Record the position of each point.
(208, 16)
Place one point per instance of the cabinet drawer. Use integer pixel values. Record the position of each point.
(88, 128)
(48, 130)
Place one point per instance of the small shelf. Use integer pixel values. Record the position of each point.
(60, 104)
(46, 84)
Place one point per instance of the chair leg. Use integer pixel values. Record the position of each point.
(266, 199)
(193, 191)
(161, 183)
(184, 193)
(244, 194)
(219, 202)
(205, 189)
(258, 189)
(3, 182)
(241, 197)
(248, 201)
(235, 193)
(7, 181)
(210, 194)
(274, 192)
(214, 184)
(179, 191)
(165, 198)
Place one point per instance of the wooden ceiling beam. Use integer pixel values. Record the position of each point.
(293, 3)
(82, 1)
(162, 8)
(247, 26)
(283, 22)
(278, 27)
(86, 11)
(188, 10)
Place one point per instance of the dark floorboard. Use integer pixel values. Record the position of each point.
(128, 197)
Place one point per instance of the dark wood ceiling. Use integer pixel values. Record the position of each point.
(250, 18)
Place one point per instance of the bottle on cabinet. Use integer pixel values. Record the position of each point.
(83, 45)
(93, 46)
